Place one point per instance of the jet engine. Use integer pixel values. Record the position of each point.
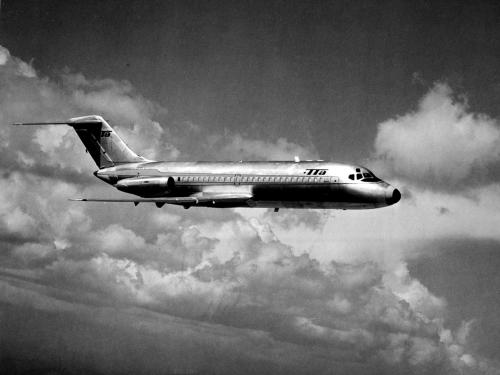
(147, 186)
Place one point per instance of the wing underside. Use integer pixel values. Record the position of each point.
(202, 200)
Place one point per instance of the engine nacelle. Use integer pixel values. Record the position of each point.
(147, 186)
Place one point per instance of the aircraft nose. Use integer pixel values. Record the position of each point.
(392, 196)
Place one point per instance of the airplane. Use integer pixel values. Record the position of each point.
(269, 184)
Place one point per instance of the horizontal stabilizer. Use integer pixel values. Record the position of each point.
(69, 122)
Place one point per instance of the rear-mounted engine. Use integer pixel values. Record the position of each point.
(147, 186)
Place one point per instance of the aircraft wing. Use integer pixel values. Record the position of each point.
(204, 200)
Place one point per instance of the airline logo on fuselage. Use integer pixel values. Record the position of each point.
(315, 172)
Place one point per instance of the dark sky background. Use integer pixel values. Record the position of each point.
(409, 88)
(305, 69)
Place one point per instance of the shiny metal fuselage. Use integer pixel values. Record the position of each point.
(307, 184)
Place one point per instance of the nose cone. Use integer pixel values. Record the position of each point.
(392, 196)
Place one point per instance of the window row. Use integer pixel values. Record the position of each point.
(253, 179)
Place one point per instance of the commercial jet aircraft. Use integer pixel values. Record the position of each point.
(272, 184)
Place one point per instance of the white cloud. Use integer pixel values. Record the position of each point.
(17, 66)
(238, 147)
(248, 277)
(441, 143)
(4, 55)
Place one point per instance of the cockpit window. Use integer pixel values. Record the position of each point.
(364, 175)
(369, 177)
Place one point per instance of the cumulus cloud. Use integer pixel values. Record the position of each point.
(237, 147)
(203, 144)
(220, 281)
(27, 97)
(265, 288)
(440, 143)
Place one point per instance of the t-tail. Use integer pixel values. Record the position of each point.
(103, 144)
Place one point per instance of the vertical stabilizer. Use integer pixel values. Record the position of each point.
(103, 144)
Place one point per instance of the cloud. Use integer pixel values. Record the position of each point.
(262, 288)
(26, 97)
(15, 65)
(255, 292)
(203, 144)
(237, 147)
(442, 143)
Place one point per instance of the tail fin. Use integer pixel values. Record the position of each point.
(104, 145)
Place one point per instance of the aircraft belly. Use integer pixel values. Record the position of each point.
(328, 193)
(292, 192)
(340, 196)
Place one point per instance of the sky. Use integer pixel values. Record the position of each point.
(408, 89)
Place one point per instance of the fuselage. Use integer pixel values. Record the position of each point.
(305, 184)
